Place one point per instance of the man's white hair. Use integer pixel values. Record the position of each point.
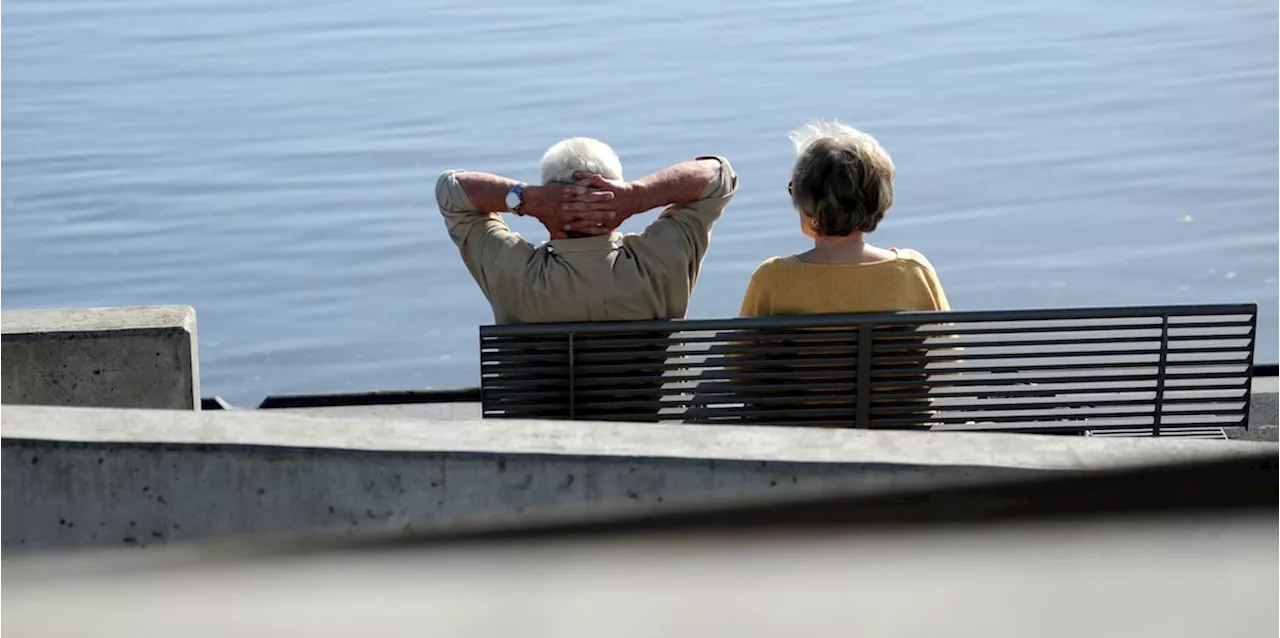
(579, 154)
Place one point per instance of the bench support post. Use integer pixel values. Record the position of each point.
(573, 400)
(862, 416)
(1160, 375)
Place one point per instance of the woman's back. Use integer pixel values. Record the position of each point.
(792, 286)
(841, 187)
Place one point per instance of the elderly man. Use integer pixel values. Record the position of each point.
(587, 271)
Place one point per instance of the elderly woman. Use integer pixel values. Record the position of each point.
(841, 186)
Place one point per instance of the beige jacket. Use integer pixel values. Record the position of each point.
(608, 278)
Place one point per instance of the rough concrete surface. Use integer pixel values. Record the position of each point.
(98, 477)
(143, 357)
(281, 428)
(1263, 408)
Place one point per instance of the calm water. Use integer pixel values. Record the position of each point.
(271, 162)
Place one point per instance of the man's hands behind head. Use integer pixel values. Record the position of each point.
(592, 205)
(577, 208)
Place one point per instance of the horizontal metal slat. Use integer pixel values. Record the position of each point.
(1189, 343)
(844, 419)
(1037, 366)
(742, 354)
(845, 391)
(1037, 427)
(581, 382)
(1042, 427)
(890, 318)
(1038, 417)
(1132, 357)
(809, 412)
(1031, 391)
(1067, 408)
(944, 329)
(971, 378)
(552, 338)
(943, 342)
(1048, 427)
(910, 377)
(1215, 433)
(974, 355)
(938, 375)
(723, 338)
(613, 342)
(747, 365)
(630, 406)
(940, 340)
(529, 362)
(579, 358)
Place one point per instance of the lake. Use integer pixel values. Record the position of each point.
(272, 162)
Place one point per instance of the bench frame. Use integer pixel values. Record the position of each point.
(1178, 355)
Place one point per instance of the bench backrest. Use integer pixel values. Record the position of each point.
(1059, 370)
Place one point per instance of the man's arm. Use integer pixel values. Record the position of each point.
(678, 185)
(695, 194)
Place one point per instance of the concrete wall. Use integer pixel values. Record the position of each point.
(102, 357)
(99, 478)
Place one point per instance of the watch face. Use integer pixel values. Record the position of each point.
(513, 199)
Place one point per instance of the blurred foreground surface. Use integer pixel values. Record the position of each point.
(1183, 550)
(1212, 576)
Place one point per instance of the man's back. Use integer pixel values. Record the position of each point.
(612, 277)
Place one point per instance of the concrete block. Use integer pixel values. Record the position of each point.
(144, 357)
(102, 478)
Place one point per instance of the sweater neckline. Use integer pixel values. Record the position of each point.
(897, 255)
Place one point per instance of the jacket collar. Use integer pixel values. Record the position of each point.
(584, 244)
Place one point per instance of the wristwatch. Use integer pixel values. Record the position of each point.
(515, 198)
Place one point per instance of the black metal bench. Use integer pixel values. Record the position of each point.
(1153, 370)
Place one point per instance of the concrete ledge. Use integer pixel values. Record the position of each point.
(99, 477)
(143, 357)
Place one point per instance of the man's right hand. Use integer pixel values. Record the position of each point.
(625, 197)
(571, 207)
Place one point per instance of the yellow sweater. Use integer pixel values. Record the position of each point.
(789, 286)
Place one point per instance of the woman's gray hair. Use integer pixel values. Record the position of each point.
(579, 154)
(842, 180)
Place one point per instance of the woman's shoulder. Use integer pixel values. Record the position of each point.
(777, 264)
(913, 257)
